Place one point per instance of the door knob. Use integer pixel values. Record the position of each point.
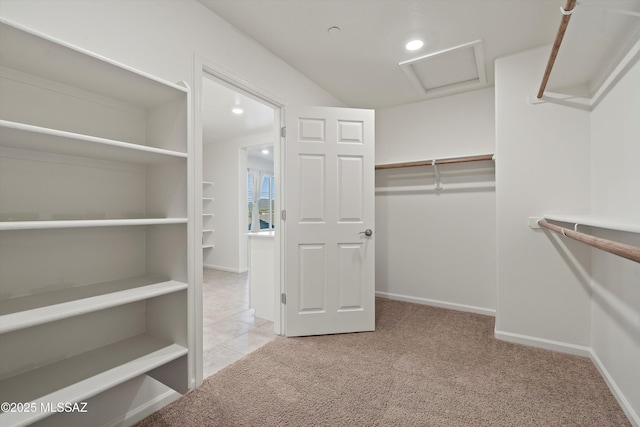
(367, 232)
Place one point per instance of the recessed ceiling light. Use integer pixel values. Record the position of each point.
(414, 45)
(237, 110)
(265, 151)
(334, 31)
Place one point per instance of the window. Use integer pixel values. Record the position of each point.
(265, 205)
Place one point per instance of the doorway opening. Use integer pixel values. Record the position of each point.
(232, 151)
(239, 139)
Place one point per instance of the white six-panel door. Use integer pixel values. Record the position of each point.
(329, 198)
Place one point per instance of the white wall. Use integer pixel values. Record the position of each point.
(160, 38)
(226, 165)
(615, 308)
(542, 166)
(265, 165)
(437, 247)
(554, 292)
(452, 126)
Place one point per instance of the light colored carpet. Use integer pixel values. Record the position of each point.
(423, 366)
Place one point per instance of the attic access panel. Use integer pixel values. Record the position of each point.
(457, 69)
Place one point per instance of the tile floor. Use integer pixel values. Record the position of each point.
(231, 331)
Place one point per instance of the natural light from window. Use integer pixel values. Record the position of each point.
(265, 204)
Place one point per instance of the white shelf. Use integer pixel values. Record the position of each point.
(39, 225)
(78, 378)
(598, 221)
(27, 137)
(24, 49)
(75, 122)
(206, 216)
(23, 312)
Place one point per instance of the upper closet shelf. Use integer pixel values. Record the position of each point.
(23, 49)
(31, 310)
(617, 48)
(435, 162)
(598, 221)
(36, 225)
(27, 137)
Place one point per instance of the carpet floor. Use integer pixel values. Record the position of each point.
(423, 366)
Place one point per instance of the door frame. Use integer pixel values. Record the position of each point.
(201, 67)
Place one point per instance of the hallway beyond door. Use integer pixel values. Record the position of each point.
(230, 329)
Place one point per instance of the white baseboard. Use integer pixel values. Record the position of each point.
(580, 351)
(232, 270)
(634, 418)
(436, 303)
(141, 412)
(559, 346)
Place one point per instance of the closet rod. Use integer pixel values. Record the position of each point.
(617, 248)
(436, 162)
(566, 16)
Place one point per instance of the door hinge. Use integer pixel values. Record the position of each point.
(283, 131)
(283, 298)
(283, 214)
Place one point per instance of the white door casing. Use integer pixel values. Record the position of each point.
(329, 192)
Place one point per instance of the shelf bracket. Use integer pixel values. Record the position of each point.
(533, 222)
(438, 184)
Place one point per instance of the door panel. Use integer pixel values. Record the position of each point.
(311, 194)
(312, 279)
(351, 280)
(329, 199)
(350, 189)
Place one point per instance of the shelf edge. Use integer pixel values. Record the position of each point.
(97, 384)
(595, 221)
(103, 142)
(39, 225)
(38, 316)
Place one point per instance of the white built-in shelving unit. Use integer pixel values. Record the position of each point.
(207, 215)
(94, 235)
